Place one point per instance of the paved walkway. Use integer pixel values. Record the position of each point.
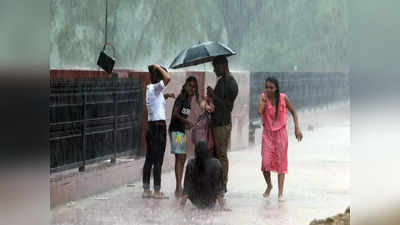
(317, 186)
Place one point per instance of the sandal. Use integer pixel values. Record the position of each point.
(147, 194)
(178, 194)
(161, 196)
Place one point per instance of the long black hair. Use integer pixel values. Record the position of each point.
(201, 155)
(196, 91)
(276, 94)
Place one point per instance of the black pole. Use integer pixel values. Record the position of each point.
(115, 104)
(83, 133)
(105, 29)
(252, 132)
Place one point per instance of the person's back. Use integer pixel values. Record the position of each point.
(203, 183)
(206, 185)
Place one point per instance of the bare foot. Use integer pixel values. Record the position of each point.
(178, 194)
(281, 198)
(267, 192)
(159, 195)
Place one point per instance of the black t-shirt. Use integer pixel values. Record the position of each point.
(226, 92)
(183, 104)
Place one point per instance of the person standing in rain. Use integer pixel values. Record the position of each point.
(179, 124)
(273, 109)
(203, 184)
(156, 131)
(223, 96)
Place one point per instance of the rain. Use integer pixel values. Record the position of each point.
(272, 35)
(303, 43)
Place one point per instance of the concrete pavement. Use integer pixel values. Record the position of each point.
(317, 186)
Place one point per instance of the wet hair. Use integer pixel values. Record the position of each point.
(155, 74)
(276, 94)
(196, 91)
(201, 155)
(220, 60)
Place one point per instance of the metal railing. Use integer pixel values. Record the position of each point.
(93, 119)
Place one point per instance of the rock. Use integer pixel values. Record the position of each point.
(71, 203)
(329, 220)
(339, 219)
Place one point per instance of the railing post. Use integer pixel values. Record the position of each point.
(114, 158)
(83, 132)
(252, 137)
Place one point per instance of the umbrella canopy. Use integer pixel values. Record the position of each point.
(200, 53)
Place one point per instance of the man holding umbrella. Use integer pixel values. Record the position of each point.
(224, 95)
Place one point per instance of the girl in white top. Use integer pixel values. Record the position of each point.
(156, 131)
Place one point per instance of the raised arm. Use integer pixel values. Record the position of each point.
(261, 104)
(165, 76)
(299, 135)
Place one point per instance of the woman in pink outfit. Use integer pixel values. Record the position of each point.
(273, 109)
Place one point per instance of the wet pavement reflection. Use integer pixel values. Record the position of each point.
(316, 186)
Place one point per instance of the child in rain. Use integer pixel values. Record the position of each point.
(273, 109)
(179, 124)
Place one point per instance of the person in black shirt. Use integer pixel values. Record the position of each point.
(179, 123)
(223, 96)
(203, 183)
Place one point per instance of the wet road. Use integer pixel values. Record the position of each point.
(317, 186)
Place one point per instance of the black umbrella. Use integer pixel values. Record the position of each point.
(200, 53)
